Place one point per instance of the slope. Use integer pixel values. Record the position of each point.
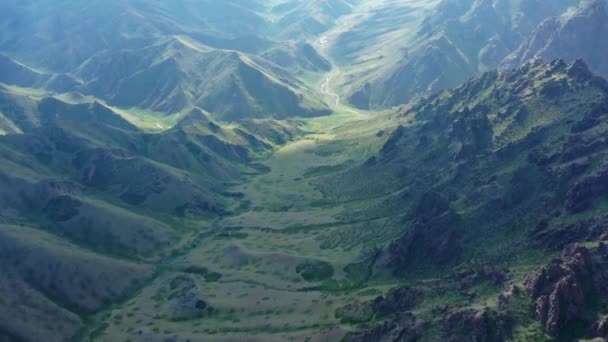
(90, 206)
(168, 76)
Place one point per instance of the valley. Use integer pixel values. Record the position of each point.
(289, 170)
(257, 253)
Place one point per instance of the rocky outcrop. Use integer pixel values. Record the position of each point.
(403, 328)
(431, 239)
(398, 300)
(560, 235)
(563, 290)
(391, 147)
(466, 325)
(185, 300)
(579, 70)
(490, 275)
(62, 208)
(582, 194)
(469, 134)
(477, 326)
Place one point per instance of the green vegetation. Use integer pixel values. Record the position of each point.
(198, 173)
(315, 271)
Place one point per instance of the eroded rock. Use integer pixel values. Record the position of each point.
(185, 300)
(563, 289)
(398, 300)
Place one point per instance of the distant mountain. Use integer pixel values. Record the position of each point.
(170, 77)
(299, 58)
(66, 34)
(571, 36)
(167, 57)
(305, 19)
(440, 47)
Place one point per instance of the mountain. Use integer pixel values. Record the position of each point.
(437, 46)
(21, 75)
(166, 77)
(571, 36)
(305, 19)
(298, 57)
(66, 35)
(146, 57)
(484, 175)
(194, 170)
(89, 204)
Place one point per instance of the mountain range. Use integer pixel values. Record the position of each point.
(326, 170)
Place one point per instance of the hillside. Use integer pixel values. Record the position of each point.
(394, 52)
(569, 37)
(83, 187)
(488, 177)
(167, 78)
(148, 59)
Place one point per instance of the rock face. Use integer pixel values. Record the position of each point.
(563, 290)
(581, 195)
(400, 329)
(398, 300)
(432, 237)
(476, 326)
(185, 300)
(466, 325)
(558, 237)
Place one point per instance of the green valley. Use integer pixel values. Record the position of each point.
(290, 170)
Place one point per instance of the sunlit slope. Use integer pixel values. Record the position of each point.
(394, 51)
(168, 77)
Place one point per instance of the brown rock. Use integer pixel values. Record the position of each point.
(561, 289)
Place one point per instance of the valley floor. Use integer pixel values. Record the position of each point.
(260, 294)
